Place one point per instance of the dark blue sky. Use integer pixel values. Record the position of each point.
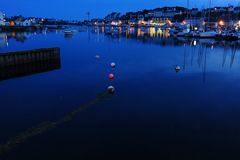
(76, 9)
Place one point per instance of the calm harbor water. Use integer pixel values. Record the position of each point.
(155, 112)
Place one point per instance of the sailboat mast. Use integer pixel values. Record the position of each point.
(209, 14)
(188, 14)
(187, 9)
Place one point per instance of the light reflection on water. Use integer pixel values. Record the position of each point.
(195, 51)
(194, 112)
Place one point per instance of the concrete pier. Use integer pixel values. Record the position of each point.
(17, 64)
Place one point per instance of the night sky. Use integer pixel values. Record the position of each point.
(76, 9)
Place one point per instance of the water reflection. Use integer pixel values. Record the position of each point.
(156, 35)
(192, 47)
(196, 51)
(29, 69)
(23, 36)
(200, 56)
(132, 32)
(3, 40)
(185, 102)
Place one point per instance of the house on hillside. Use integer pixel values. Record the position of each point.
(113, 16)
(26, 22)
(2, 19)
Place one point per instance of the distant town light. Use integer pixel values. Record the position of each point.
(141, 22)
(221, 23)
(169, 22)
(12, 23)
(116, 23)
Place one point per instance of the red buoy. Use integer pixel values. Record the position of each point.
(111, 76)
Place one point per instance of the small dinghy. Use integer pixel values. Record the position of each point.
(68, 33)
(177, 68)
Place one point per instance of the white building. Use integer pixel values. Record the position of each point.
(169, 12)
(27, 22)
(2, 19)
(18, 22)
(158, 14)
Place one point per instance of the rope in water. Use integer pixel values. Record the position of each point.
(48, 125)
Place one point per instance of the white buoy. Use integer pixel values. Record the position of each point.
(97, 56)
(111, 89)
(177, 68)
(113, 65)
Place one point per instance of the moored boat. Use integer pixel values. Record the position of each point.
(184, 33)
(68, 33)
(208, 34)
(192, 34)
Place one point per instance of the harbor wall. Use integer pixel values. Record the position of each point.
(23, 63)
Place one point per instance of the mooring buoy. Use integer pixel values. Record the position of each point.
(111, 89)
(113, 65)
(177, 68)
(111, 76)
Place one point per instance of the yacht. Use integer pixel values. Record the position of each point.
(192, 34)
(184, 33)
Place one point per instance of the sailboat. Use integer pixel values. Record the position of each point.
(185, 32)
(68, 33)
(210, 33)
